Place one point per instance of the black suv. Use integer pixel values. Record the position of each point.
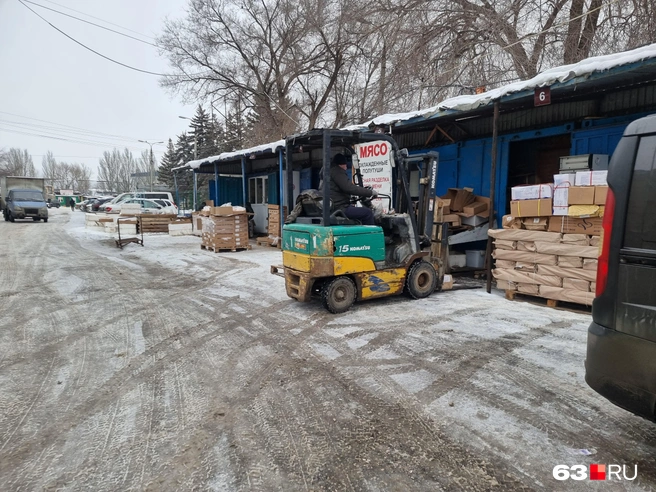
(621, 353)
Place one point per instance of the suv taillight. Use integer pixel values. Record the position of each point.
(607, 229)
(108, 209)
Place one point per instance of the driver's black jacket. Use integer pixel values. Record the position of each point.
(341, 188)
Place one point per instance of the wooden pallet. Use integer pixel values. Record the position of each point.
(218, 249)
(513, 295)
(265, 241)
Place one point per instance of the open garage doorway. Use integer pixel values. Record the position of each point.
(535, 161)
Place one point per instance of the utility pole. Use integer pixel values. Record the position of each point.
(152, 163)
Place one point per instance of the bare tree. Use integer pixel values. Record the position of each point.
(291, 65)
(17, 162)
(50, 169)
(117, 169)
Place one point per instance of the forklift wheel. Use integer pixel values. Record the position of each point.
(421, 280)
(338, 295)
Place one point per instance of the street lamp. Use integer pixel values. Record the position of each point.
(151, 160)
(195, 141)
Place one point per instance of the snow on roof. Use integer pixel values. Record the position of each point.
(563, 73)
(226, 156)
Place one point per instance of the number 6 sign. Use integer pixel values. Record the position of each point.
(542, 96)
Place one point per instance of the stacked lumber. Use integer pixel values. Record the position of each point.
(154, 223)
(552, 265)
(225, 232)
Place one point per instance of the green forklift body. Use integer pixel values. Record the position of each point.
(337, 241)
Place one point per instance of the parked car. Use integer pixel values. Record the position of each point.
(53, 203)
(621, 353)
(95, 205)
(84, 204)
(168, 207)
(147, 206)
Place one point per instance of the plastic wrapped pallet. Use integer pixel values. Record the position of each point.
(576, 284)
(570, 262)
(522, 266)
(525, 246)
(566, 250)
(505, 264)
(525, 256)
(503, 244)
(531, 289)
(526, 278)
(524, 235)
(590, 264)
(576, 239)
(567, 295)
(578, 273)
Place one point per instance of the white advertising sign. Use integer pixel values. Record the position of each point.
(375, 161)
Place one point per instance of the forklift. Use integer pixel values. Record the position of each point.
(330, 257)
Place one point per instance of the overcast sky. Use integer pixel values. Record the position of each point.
(46, 76)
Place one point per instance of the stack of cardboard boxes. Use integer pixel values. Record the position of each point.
(274, 227)
(225, 228)
(460, 207)
(549, 245)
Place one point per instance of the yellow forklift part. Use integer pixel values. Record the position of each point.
(382, 283)
(354, 264)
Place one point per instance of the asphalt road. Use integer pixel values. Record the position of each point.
(171, 368)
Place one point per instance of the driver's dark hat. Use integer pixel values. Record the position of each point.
(339, 159)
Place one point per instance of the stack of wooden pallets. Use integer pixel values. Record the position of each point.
(225, 232)
(154, 223)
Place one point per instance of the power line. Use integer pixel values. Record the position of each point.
(76, 141)
(73, 127)
(86, 47)
(91, 23)
(98, 18)
(63, 131)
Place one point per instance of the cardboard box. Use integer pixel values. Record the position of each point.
(221, 210)
(453, 219)
(209, 203)
(535, 223)
(562, 183)
(474, 208)
(581, 195)
(486, 200)
(531, 192)
(447, 284)
(576, 225)
(445, 203)
(600, 195)
(459, 197)
(531, 208)
(591, 178)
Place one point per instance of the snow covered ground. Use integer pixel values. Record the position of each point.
(169, 367)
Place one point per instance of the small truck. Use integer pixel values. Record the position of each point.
(23, 198)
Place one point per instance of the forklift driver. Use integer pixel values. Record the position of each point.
(341, 190)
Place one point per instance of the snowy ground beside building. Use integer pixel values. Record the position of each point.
(169, 367)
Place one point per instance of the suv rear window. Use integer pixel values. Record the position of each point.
(641, 213)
